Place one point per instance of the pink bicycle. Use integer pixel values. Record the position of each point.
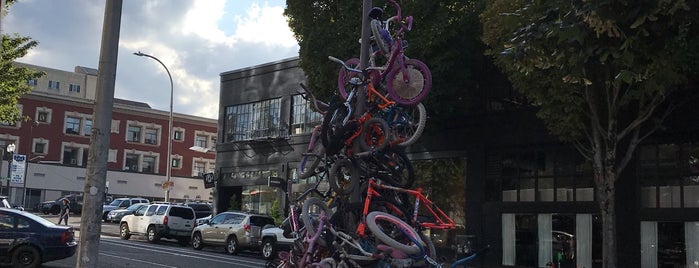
(407, 81)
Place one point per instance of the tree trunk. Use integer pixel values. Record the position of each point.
(606, 193)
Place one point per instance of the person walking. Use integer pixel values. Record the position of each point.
(65, 210)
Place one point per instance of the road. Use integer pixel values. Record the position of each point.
(137, 252)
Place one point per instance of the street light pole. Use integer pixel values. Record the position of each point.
(169, 139)
(10, 149)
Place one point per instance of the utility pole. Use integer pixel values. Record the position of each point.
(363, 62)
(96, 177)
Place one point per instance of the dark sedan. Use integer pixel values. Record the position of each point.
(27, 240)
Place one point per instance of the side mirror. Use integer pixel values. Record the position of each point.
(207, 222)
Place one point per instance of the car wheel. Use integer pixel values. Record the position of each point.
(152, 235)
(232, 245)
(268, 248)
(26, 256)
(196, 241)
(124, 232)
(55, 210)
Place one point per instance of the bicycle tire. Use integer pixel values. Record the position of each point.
(341, 169)
(395, 168)
(310, 163)
(379, 233)
(378, 38)
(344, 76)
(407, 124)
(332, 130)
(417, 88)
(375, 135)
(309, 223)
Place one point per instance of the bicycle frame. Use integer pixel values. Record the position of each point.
(442, 220)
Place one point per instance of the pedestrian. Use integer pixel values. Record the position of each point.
(65, 210)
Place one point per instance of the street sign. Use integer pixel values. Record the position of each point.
(209, 180)
(276, 182)
(17, 168)
(168, 184)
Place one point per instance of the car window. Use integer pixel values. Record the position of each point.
(219, 218)
(116, 202)
(151, 210)
(161, 210)
(6, 222)
(133, 207)
(141, 211)
(185, 213)
(22, 224)
(261, 221)
(237, 219)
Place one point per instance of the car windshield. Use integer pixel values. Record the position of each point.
(115, 203)
(134, 207)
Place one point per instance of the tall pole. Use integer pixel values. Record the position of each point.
(96, 173)
(10, 148)
(169, 139)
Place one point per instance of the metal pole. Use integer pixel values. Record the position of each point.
(10, 148)
(169, 139)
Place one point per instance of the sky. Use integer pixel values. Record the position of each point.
(196, 39)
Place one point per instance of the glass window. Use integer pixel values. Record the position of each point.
(201, 141)
(40, 147)
(6, 222)
(134, 134)
(151, 210)
(151, 136)
(526, 240)
(671, 244)
(74, 88)
(161, 210)
(70, 155)
(220, 218)
(131, 162)
(303, 119)
(73, 125)
(199, 168)
(42, 117)
(176, 162)
(148, 164)
(177, 135)
(253, 120)
(88, 127)
(31, 82)
(54, 85)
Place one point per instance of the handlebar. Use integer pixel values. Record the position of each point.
(344, 65)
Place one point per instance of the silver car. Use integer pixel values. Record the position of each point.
(117, 214)
(233, 230)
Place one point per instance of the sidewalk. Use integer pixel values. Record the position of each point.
(109, 229)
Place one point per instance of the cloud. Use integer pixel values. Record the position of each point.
(196, 40)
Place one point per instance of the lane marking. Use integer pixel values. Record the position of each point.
(131, 259)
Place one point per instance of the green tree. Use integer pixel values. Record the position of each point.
(599, 72)
(275, 212)
(233, 203)
(445, 35)
(13, 79)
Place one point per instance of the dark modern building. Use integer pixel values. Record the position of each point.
(528, 196)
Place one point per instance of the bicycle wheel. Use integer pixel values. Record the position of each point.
(374, 135)
(380, 40)
(311, 160)
(414, 90)
(332, 130)
(311, 214)
(395, 168)
(387, 228)
(430, 252)
(344, 177)
(344, 76)
(407, 123)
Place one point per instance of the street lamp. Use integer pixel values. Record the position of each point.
(10, 149)
(169, 139)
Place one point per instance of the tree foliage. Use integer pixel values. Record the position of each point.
(445, 35)
(13, 79)
(599, 72)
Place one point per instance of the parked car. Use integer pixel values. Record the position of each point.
(159, 221)
(273, 239)
(29, 240)
(201, 210)
(121, 203)
(54, 207)
(117, 214)
(233, 230)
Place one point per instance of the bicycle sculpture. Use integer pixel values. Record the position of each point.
(361, 153)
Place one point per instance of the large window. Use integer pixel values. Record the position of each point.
(78, 124)
(73, 125)
(134, 134)
(151, 136)
(303, 118)
(88, 127)
(54, 85)
(253, 120)
(538, 175)
(201, 141)
(148, 164)
(74, 88)
(669, 175)
(131, 162)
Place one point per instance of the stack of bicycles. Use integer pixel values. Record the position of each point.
(370, 216)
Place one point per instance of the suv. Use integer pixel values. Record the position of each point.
(201, 210)
(121, 203)
(274, 239)
(159, 221)
(236, 231)
(54, 207)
